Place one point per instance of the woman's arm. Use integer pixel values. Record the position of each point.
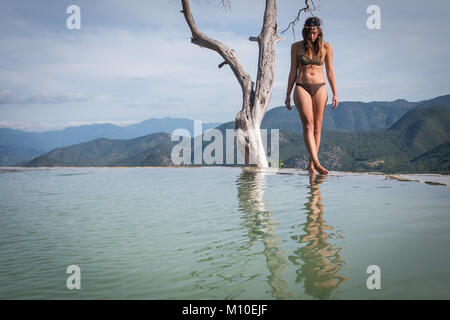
(292, 76)
(330, 74)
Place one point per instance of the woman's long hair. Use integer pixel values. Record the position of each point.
(313, 47)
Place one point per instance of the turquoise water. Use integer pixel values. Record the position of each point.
(220, 233)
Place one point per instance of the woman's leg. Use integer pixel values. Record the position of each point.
(303, 102)
(319, 101)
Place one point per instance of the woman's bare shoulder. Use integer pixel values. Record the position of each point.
(297, 44)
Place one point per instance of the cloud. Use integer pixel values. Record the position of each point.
(8, 97)
(170, 102)
(51, 126)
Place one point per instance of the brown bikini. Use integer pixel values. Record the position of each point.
(311, 88)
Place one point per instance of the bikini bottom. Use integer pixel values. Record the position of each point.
(311, 87)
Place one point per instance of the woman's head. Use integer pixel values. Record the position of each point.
(312, 35)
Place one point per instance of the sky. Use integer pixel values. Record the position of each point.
(132, 60)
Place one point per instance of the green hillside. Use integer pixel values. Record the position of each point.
(158, 155)
(423, 128)
(101, 152)
(436, 160)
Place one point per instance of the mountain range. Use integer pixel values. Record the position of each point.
(17, 145)
(396, 136)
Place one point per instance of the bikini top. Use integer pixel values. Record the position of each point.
(305, 60)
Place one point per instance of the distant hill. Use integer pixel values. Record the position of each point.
(423, 128)
(17, 145)
(59, 138)
(442, 101)
(159, 155)
(436, 160)
(101, 152)
(10, 155)
(398, 149)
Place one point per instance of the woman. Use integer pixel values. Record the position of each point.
(310, 93)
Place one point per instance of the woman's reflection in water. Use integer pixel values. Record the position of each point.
(321, 260)
(258, 221)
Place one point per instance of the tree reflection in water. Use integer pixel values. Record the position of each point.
(258, 221)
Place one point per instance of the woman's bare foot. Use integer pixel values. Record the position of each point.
(319, 167)
(311, 169)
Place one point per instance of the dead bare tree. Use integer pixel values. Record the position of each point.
(255, 97)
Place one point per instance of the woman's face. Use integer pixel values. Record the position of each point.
(312, 34)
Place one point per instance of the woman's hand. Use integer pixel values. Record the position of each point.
(335, 102)
(287, 102)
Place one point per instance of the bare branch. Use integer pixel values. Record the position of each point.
(222, 64)
(227, 54)
(226, 4)
(297, 18)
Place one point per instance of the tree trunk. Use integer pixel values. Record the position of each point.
(255, 99)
